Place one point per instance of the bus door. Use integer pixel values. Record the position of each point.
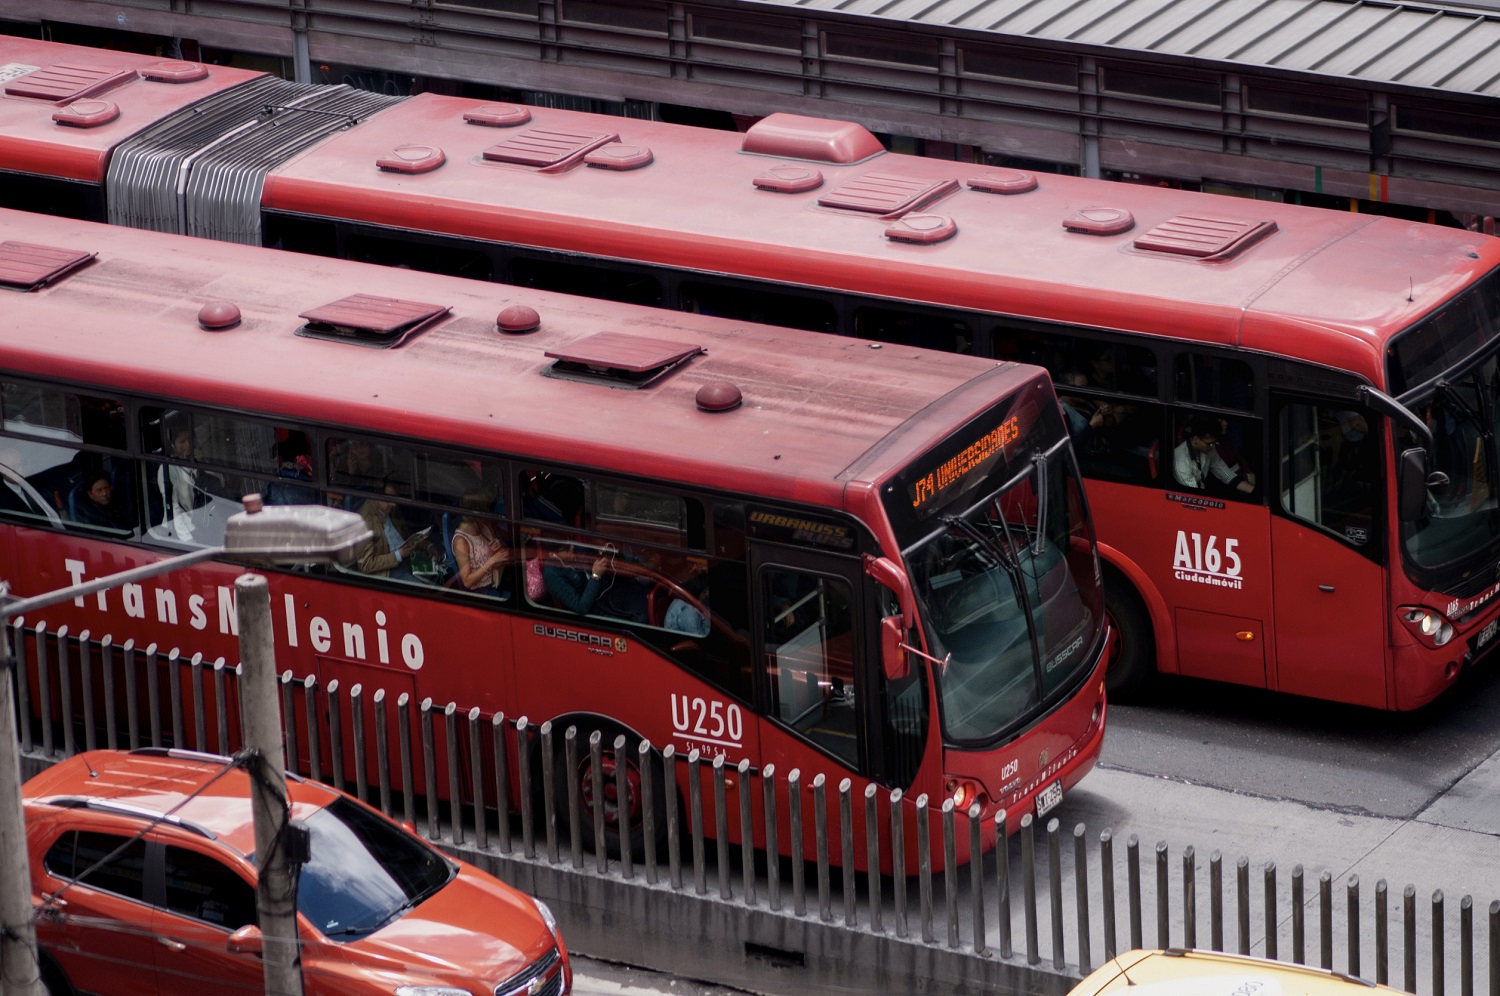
(1327, 546)
(808, 621)
(1217, 545)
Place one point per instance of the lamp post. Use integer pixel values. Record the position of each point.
(279, 534)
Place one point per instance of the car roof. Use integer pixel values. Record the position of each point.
(203, 793)
(1179, 972)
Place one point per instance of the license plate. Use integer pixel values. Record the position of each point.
(1487, 634)
(1048, 798)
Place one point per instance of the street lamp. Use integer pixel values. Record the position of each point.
(278, 534)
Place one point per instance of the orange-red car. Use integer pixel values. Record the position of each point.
(143, 876)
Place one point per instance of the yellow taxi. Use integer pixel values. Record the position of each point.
(1176, 972)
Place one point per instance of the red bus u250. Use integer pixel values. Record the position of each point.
(872, 561)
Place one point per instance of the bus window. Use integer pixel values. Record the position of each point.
(911, 328)
(411, 255)
(561, 499)
(1214, 455)
(1214, 380)
(1113, 367)
(61, 461)
(406, 545)
(205, 463)
(588, 279)
(359, 463)
(653, 516)
(809, 658)
(758, 304)
(1330, 470)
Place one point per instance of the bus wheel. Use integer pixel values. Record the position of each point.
(631, 808)
(1132, 660)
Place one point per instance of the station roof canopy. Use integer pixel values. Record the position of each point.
(1446, 48)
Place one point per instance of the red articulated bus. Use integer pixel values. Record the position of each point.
(868, 560)
(1285, 414)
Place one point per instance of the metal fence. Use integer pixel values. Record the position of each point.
(1046, 899)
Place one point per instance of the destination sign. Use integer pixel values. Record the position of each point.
(930, 488)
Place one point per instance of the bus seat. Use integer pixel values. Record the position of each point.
(1153, 458)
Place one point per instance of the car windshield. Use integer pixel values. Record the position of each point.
(363, 872)
(1003, 565)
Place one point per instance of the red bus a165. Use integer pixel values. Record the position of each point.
(1284, 414)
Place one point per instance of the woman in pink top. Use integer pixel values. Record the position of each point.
(478, 550)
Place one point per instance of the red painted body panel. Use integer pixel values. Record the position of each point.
(31, 142)
(1011, 253)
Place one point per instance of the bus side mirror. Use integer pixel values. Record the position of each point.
(1413, 482)
(893, 656)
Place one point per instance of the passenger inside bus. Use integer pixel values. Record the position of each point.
(570, 586)
(94, 503)
(1197, 464)
(392, 548)
(479, 553)
(178, 484)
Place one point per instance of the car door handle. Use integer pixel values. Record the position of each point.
(170, 944)
(1325, 588)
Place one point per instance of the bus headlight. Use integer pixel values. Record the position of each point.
(1432, 626)
(963, 792)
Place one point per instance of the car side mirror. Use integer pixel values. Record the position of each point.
(893, 653)
(246, 941)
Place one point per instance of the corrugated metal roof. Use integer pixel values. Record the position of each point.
(1451, 50)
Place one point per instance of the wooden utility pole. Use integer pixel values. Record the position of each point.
(260, 716)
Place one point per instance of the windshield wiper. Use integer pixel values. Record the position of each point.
(1039, 545)
(374, 925)
(1456, 400)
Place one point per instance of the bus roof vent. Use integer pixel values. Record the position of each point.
(887, 193)
(28, 267)
(176, 71)
(368, 320)
(787, 178)
(518, 319)
(497, 115)
(922, 229)
(718, 396)
(87, 113)
(412, 159)
(1100, 221)
(617, 155)
(1003, 181)
(218, 316)
(620, 360)
(793, 136)
(547, 147)
(1204, 238)
(67, 82)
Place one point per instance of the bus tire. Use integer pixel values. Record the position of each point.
(1132, 661)
(634, 805)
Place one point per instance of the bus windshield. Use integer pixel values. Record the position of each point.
(1002, 561)
(1449, 371)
